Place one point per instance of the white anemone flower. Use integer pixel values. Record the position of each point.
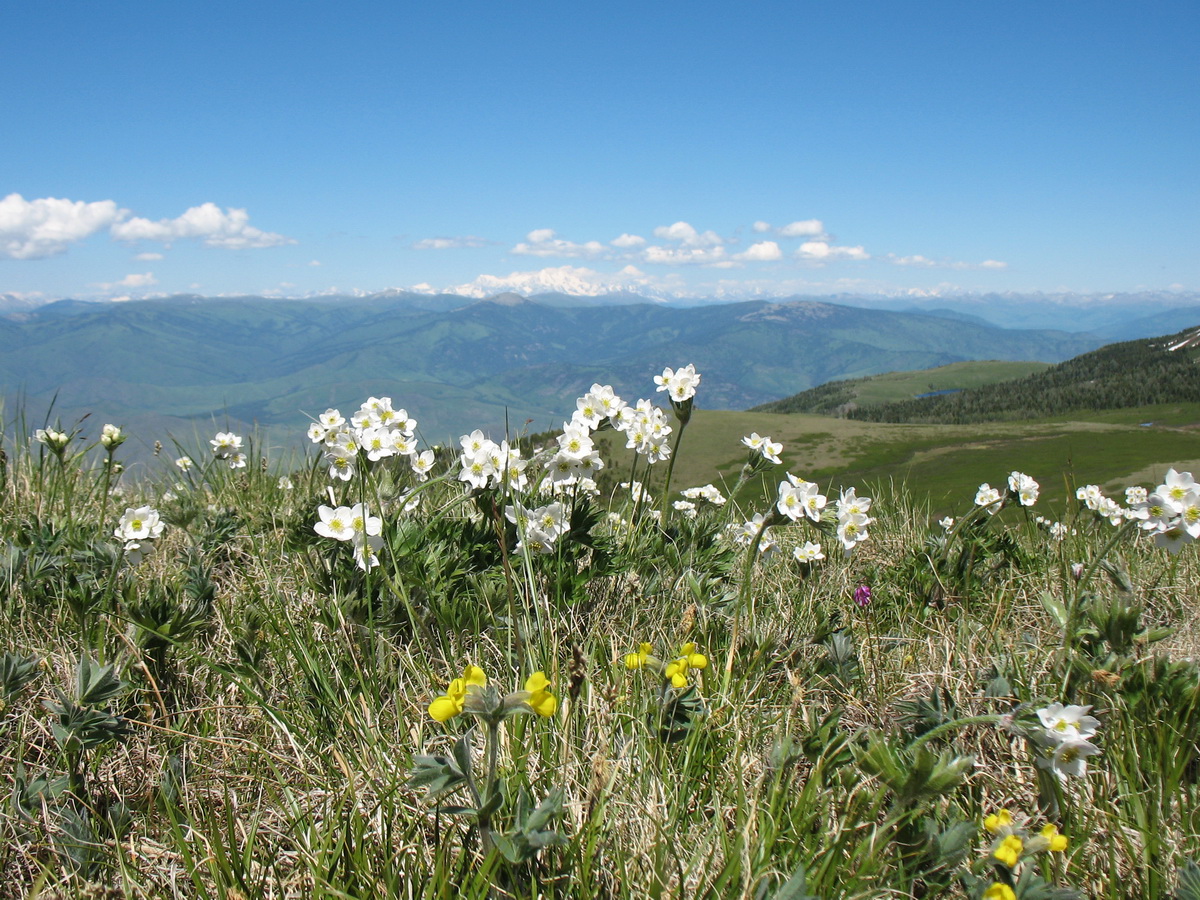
(1024, 488)
(987, 496)
(335, 523)
(808, 554)
(139, 524)
(1069, 757)
(1063, 722)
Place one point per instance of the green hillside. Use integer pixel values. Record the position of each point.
(1119, 376)
(835, 397)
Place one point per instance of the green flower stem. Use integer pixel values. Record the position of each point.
(490, 751)
(666, 497)
(949, 726)
(745, 598)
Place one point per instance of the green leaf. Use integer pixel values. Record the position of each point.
(1189, 882)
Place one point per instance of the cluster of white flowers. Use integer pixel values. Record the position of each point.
(1064, 740)
(139, 528)
(538, 529)
(646, 431)
(1172, 512)
(227, 446)
(802, 499)
(708, 493)
(1021, 488)
(1057, 530)
(356, 525)
(55, 440)
(764, 447)
(744, 534)
(680, 385)
(808, 554)
(377, 431)
(111, 437)
(1095, 500)
(484, 463)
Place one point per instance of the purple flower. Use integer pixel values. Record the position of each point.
(862, 595)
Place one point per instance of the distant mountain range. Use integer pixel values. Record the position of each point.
(1110, 315)
(188, 365)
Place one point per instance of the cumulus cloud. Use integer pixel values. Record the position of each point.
(148, 257)
(762, 227)
(763, 251)
(543, 242)
(687, 235)
(803, 228)
(822, 251)
(146, 279)
(577, 280)
(228, 229)
(35, 229)
(993, 264)
(626, 241)
(450, 243)
(685, 256)
(915, 260)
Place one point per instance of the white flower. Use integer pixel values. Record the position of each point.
(1069, 757)
(849, 503)
(1136, 495)
(422, 464)
(184, 463)
(946, 523)
(237, 460)
(55, 440)
(1175, 487)
(989, 497)
(139, 524)
(111, 437)
(1024, 488)
(1064, 722)
(681, 385)
(687, 507)
(335, 523)
(809, 553)
(753, 441)
(225, 444)
(285, 483)
(852, 530)
(365, 548)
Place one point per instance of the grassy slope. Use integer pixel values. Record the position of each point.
(946, 463)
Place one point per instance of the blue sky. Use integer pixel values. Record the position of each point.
(692, 148)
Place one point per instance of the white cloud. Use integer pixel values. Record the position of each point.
(917, 260)
(542, 242)
(762, 227)
(229, 229)
(914, 260)
(763, 251)
(148, 257)
(146, 279)
(688, 236)
(577, 280)
(450, 243)
(822, 251)
(685, 256)
(803, 228)
(314, 262)
(35, 229)
(626, 241)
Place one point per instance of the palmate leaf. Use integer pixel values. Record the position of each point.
(97, 684)
(1189, 882)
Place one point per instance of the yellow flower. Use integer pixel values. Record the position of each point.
(996, 821)
(999, 891)
(541, 701)
(637, 660)
(1009, 850)
(688, 659)
(1058, 842)
(450, 704)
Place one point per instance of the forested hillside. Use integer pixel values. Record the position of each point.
(1117, 376)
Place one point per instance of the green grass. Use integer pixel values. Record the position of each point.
(270, 698)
